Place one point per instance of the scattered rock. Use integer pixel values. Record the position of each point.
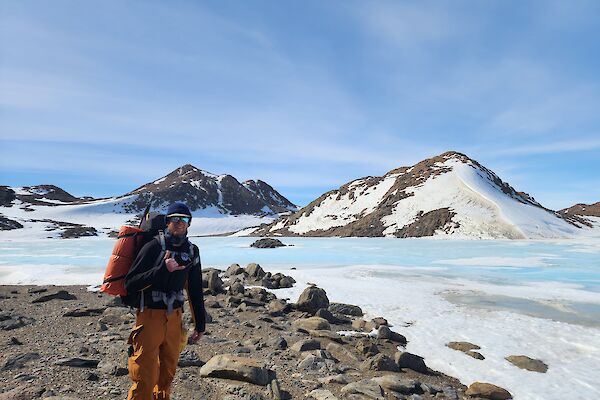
(306, 345)
(77, 362)
(189, 358)
(341, 352)
(212, 281)
(18, 361)
(346, 309)
(228, 366)
(366, 347)
(60, 295)
(37, 290)
(110, 368)
(397, 383)
(14, 341)
(311, 324)
(467, 348)
(278, 307)
(379, 362)
(234, 269)
(9, 322)
(488, 391)
(255, 271)
(530, 364)
(365, 387)
(321, 394)
(267, 243)
(23, 392)
(386, 333)
(462, 346)
(326, 335)
(86, 312)
(408, 360)
(312, 299)
(280, 343)
(379, 321)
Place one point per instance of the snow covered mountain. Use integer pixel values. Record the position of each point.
(219, 204)
(448, 195)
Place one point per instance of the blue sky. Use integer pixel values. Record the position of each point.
(101, 97)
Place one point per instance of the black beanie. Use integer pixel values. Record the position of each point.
(179, 210)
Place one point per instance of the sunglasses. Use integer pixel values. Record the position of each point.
(180, 219)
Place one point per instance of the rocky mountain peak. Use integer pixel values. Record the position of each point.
(202, 190)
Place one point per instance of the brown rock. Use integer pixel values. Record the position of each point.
(462, 346)
(488, 391)
(530, 364)
(228, 366)
(379, 362)
(311, 324)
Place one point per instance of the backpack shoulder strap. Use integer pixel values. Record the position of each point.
(194, 253)
(163, 247)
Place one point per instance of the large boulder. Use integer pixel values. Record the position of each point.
(530, 364)
(346, 309)
(306, 345)
(488, 391)
(311, 324)
(228, 366)
(386, 333)
(234, 269)
(397, 383)
(408, 360)
(267, 243)
(312, 299)
(212, 281)
(255, 271)
(379, 362)
(366, 387)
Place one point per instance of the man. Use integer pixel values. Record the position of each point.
(158, 336)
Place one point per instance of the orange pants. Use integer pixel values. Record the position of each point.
(156, 340)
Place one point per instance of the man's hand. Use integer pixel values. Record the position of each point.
(171, 264)
(195, 336)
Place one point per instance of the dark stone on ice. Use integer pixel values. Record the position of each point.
(267, 243)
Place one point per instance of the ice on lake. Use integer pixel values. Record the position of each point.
(536, 298)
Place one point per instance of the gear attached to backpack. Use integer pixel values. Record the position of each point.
(130, 241)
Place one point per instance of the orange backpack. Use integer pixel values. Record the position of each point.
(130, 241)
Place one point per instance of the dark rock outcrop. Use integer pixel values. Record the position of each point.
(267, 243)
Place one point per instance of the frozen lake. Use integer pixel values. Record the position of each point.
(537, 298)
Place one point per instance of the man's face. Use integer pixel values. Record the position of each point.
(178, 226)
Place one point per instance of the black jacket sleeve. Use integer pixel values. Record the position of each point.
(195, 293)
(144, 271)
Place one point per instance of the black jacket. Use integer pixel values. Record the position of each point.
(145, 276)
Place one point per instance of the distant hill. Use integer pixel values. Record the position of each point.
(450, 195)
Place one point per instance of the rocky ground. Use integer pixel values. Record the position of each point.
(70, 343)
